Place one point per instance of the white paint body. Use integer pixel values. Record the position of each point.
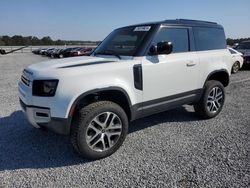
(163, 75)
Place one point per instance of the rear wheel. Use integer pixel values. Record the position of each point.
(212, 100)
(99, 129)
(61, 56)
(235, 67)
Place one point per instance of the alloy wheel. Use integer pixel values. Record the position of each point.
(215, 100)
(104, 131)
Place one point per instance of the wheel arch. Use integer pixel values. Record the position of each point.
(221, 75)
(114, 94)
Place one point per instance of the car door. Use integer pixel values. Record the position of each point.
(169, 80)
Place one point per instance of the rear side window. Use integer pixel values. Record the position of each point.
(209, 38)
(177, 36)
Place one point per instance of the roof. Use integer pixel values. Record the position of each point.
(184, 22)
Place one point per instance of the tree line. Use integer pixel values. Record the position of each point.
(19, 40)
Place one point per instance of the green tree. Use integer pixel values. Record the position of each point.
(7, 40)
(35, 41)
(1, 42)
(59, 42)
(17, 40)
(47, 41)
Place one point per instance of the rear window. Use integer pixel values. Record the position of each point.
(209, 38)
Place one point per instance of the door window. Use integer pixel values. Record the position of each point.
(177, 36)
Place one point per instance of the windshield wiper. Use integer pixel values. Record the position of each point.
(108, 53)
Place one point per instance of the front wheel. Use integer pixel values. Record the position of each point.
(99, 129)
(212, 100)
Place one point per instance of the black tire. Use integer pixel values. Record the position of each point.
(235, 67)
(82, 120)
(201, 108)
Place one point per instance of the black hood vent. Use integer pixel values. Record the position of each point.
(87, 64)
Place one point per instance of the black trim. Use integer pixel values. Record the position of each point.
(24, 106)
(138, 80)
(42, 114)
(100, 90)
(162, 104)
(58, 125)
(217, 71)
(87, 64)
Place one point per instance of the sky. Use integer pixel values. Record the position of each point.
(94, 19)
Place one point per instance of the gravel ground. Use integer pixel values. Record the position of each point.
(171, 149)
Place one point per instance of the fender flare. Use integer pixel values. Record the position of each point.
(111, 88)
(217, 71)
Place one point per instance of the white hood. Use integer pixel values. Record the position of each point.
(52, 64)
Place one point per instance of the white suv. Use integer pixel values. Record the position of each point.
(136, 71)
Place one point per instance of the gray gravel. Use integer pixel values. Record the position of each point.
(171, 149)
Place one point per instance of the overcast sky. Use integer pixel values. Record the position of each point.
(94, 19)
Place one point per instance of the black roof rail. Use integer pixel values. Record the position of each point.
(201, 21)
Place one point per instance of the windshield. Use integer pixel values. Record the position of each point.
(245, 45)
(124, 41)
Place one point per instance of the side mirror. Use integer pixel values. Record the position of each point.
(161, 48)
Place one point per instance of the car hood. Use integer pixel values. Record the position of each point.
(69, 62)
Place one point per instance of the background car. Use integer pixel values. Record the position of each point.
(237, 59)
(36, 51)
(49, 51)
(64, 53)
(56, 53)
(244, 48)
(80, 52)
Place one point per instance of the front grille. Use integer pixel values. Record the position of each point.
(25, 81)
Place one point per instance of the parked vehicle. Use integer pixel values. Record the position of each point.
(80, 52)
(36, 51)
(136, 71)
(50, 52)
(42, 51)
(56, 53)
(237, 59)
(65, 52)
(244, 48)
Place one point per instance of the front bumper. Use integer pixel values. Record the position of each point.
(40, 117)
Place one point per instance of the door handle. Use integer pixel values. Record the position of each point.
(190, 64)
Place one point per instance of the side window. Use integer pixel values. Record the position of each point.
(209, 38)
(177, 36)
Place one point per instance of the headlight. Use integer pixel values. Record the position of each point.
(45, 88)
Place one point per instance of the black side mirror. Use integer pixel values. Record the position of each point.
(161, 48)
